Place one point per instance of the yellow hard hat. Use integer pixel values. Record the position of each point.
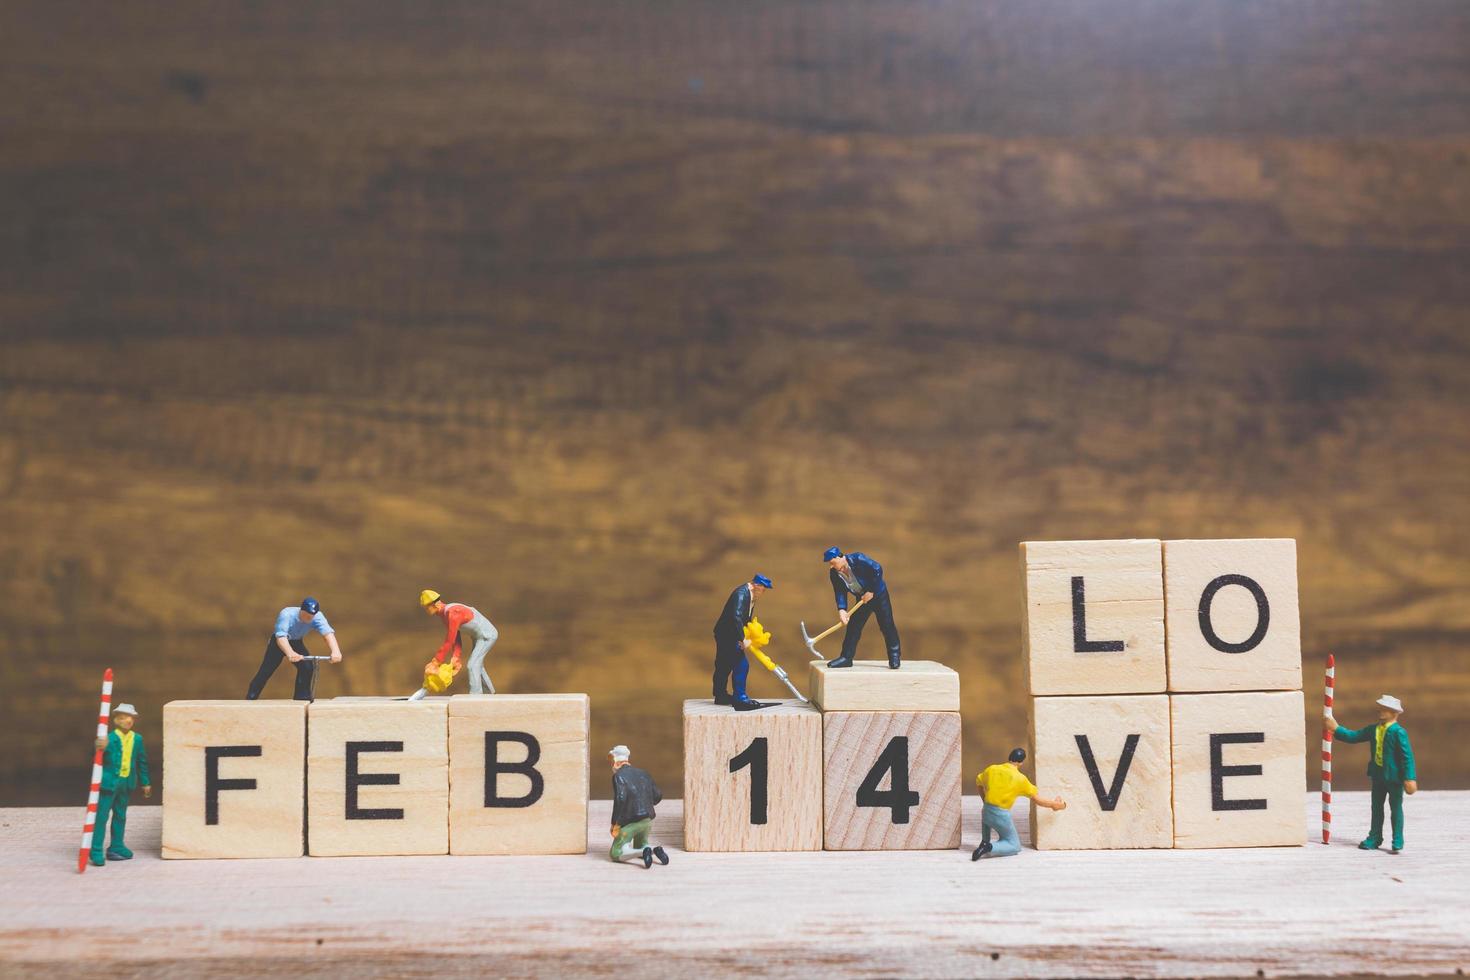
(428, 597)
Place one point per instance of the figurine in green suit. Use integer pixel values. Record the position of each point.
(1390, 766)
(124, 766)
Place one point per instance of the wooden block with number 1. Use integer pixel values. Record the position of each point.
(891, 780)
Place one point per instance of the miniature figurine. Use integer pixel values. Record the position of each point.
(1390, 767)
(731, 643)
(124, 767)
(289, 641)
(1001, 784)
(634, 795)
(858, 575)
(457, 616)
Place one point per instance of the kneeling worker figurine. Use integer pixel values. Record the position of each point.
(634, 795)
(124, 766)
(1390, 767)
(1001, 784)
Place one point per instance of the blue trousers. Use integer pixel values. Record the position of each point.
(730, 665)
(997, 821)
(881, 606)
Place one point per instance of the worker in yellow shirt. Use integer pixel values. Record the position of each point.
(1001, 785)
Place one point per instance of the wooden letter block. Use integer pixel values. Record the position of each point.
(377, 777)
(1094, 618)
(1232, 616)
(869, 685)
(752, 779)
(892, 780)
(531, 797)
(1239, 769)
(233, 788)
(1108, 757)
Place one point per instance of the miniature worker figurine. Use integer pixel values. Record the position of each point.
(858, 575)
(634, 795)
(1390, 767)
(124, 766)
(289, 641)
(731, 644)
(1001, 784)
(459, 617)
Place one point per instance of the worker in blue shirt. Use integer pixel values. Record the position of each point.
(289, 641)
(731, 666)
(857, 575)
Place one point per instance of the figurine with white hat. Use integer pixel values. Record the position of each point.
(124, 766)
(1390, 767)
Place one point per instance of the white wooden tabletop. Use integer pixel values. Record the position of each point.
(1302, 910)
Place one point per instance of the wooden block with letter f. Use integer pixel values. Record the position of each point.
(752, 779)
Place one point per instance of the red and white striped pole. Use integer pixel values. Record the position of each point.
(1327, 752)
(91, 826)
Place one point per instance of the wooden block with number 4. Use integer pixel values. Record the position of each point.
(752, 779)
(892, 780)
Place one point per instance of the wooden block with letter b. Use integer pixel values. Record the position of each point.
(234, 784)
(1093, 621)
(1239, 769)
(377, 777)
(892, 780)
(1232, 615)
(518, 773)
(1108, 757)
(752, 779)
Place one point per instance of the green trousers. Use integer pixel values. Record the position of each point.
(635, 833)
(1395, 794)
(115, 803)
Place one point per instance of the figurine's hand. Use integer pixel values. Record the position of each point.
(615, 829)
(867, 597)
(456, 665)
(147, 792)
(430, 667)
(294, 657)
(1411, 786)
(337, 657)
(1329, 723)
(843, 615)
(1061, 805)
(746, 643)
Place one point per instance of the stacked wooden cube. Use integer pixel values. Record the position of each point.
(1166, 702)
(873, 763)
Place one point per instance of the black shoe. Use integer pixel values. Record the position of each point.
(724, 700)
(748, 705)
(893, 661)
(843, 661)
(982, 850)
(647, 858)
(661, 854)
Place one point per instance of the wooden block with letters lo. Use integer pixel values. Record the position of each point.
(1108, 757)
(234, 781)
(869, 685)
(1239, 769)
(752, 779)
(1093, 621)
(377, 777)
(1232, 616)
(891, 780)
(518, 773)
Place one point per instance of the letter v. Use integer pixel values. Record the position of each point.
(1107, 799)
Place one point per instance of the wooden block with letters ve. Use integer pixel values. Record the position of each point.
(869, 685)
(752, 779)
(234, 782)
(891, 780)
(531, 798)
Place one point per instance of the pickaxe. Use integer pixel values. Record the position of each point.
(811, 641)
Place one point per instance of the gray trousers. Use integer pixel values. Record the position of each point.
(485, 638)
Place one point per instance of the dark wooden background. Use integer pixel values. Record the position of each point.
(582, 312)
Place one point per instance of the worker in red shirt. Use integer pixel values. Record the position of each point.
(459, 617)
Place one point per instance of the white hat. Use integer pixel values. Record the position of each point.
(1391, 703)
(125, 709)
(619, 753)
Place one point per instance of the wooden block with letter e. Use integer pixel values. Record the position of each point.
(869, 685)
(518, 773)
(1231, 614)
(1239, 769)
(234, 783)
(891, 780)
(377, 777)
(1093, 621)
(1108, 757)
(752, 779)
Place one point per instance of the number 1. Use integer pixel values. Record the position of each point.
(754, 756)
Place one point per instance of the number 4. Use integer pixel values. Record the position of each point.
(898, 798)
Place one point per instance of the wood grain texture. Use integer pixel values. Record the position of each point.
(856, 747)
(1068, 913)
(719, 807)
(871, 685)
(582, 313)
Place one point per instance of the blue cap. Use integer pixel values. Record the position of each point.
(832, 552)
(762, 580)
(311, 605)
